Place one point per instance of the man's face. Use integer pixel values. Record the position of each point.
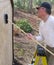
(41, 12)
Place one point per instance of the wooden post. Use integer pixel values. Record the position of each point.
(5, 32)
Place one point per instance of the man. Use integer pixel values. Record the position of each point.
(46, 29)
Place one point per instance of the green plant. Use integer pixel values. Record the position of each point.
(24, 25)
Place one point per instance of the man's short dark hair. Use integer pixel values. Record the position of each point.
(48, 11)
(47, 6)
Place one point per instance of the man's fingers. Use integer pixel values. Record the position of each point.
(30, 36)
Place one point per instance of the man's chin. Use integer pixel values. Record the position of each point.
(38, 16)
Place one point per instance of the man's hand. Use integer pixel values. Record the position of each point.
(29, 36)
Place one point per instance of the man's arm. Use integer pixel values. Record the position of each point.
(39, 38)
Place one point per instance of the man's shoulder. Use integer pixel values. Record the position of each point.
(51, 18)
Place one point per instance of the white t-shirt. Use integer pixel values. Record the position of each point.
(46, 31)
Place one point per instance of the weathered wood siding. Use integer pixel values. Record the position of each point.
(5, 33)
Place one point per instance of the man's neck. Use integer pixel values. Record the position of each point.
(45, 18)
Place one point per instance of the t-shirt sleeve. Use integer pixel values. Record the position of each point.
(40, 36)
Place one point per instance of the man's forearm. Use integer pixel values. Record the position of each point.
(39, 38)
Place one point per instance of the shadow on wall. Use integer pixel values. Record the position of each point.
(16, 62)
